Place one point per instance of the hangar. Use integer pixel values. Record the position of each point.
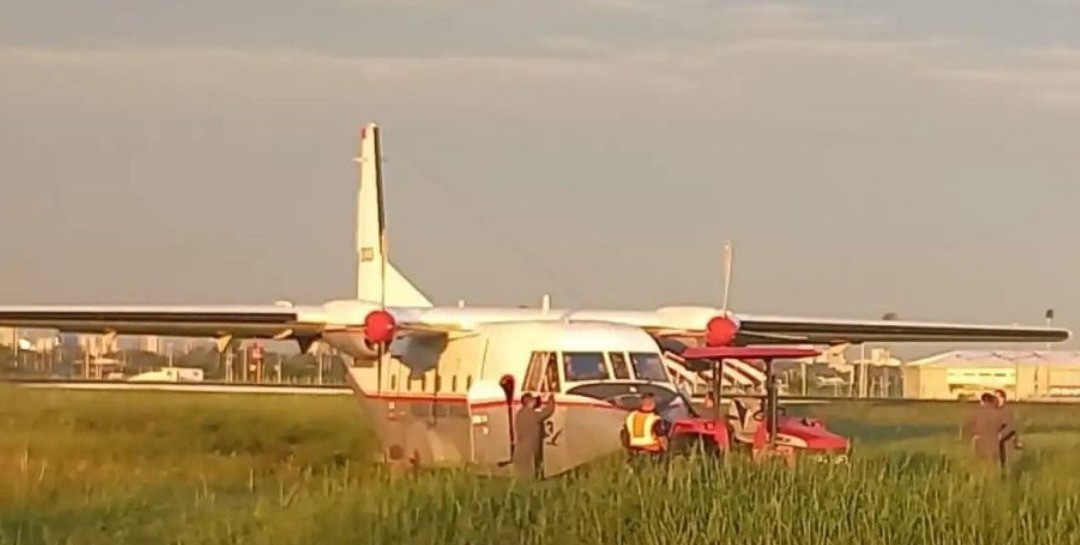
(1023, 374)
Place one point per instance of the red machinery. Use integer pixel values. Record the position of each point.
(774, 431)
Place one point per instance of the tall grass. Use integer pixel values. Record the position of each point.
(92, 467)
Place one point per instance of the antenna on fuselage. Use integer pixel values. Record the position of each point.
(545, 304)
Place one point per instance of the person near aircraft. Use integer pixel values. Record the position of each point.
(1010, 420)
(529, 423)
(985, 427)
(749, 423)
(645, 432)
(710, 400)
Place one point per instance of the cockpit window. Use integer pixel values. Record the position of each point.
(551, 375)
(534, 374)
(584, 366)
(619, 366)
(647, 366)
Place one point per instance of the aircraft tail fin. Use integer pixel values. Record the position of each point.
(376, 279)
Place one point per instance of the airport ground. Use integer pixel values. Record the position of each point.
(87, 467)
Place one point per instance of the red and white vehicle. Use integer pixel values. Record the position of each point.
(759, 423)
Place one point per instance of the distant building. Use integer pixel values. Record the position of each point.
(46, 344)
(96, 345)
(150, 343)
(1023, 374)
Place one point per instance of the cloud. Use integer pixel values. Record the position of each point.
(632, 6)
(1045, 77)
(776, 121)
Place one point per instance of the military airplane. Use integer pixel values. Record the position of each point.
(441, 383)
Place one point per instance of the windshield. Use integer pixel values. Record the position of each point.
(670, 405)
(647, 366)
(584, 366)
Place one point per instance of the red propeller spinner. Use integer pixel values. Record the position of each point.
(379, 327)
(720, 331)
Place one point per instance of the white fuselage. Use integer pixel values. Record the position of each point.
(439, 402)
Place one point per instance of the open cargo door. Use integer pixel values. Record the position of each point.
(491, 417)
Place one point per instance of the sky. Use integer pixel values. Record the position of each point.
(905, 156)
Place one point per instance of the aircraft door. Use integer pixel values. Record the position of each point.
(491, 418)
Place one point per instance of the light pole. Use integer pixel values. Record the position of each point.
(1049, 322)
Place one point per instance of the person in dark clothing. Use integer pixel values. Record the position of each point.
(1014, 438)
(529, 427)
(985, 428)
(1011, 437)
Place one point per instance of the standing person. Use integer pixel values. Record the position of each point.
(529, 424)
(985, 427)
(1009, 418)
(1010, 421)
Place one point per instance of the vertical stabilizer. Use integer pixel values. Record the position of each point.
(376, 279)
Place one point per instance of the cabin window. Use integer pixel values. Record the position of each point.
(584, 366)
(453, 383)
(468, 382)
(423, 383)
(550, 382)
(393, 382)
(408, 385)
(619, 365)
(534, 374)
(438, 383)
(648, 366)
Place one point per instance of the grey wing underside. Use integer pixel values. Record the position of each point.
(265, 322)
(786, 330)
(275, 322)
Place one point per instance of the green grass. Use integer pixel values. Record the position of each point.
(95, 467)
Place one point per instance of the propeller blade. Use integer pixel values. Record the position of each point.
(728, 258)
(378, 371)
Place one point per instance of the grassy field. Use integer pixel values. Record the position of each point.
(109, 468)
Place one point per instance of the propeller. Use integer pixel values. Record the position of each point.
(721, 330)
(728, 258)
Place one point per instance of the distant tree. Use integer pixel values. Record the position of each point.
(338, 367)
(206, 358)
(299, 367)
(139, 361)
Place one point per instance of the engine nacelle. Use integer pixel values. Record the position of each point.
(354, 344)
(718, 329)
(365, 330)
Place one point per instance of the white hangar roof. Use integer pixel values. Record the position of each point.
(999, 358)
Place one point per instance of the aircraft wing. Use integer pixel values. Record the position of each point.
(744, 329)
(280, 322)
(757, 329)
(268, 322)
(310, 322)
